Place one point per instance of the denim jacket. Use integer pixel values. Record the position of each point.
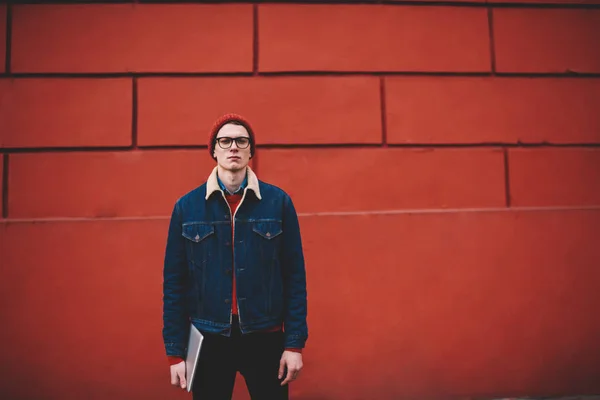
(267, 260)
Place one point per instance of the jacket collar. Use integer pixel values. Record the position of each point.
(212, 185)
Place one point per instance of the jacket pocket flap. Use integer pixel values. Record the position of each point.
(196, 232)
(268, 229)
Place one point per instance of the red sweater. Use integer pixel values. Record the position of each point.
(234, 202)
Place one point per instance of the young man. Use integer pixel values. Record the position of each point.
(234, 267)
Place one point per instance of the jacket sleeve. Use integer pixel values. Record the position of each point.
(175, 313)
(294, 280)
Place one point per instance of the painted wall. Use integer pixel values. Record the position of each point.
(445, 160)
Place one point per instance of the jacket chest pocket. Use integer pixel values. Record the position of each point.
(199, 243)
(267, 236)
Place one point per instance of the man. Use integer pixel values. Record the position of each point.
(234, 268)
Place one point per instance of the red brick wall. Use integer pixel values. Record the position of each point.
(445, 161)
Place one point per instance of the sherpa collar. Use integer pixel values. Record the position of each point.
(212, 185)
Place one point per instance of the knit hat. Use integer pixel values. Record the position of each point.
(225, 119)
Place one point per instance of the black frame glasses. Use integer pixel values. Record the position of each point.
(225, 142)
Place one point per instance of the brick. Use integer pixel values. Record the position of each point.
(554, 177)
(65, 112)
(547, 40)
(323, 180)
(433, 1)
(282, 110)
(98, 283)
(103, 184)
(2, 37)
(373, 38)
(2, 184)
(492, 110)
(470, 287)
(567, 2)
(126, 38)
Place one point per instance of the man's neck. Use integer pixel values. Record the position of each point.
(232, 179)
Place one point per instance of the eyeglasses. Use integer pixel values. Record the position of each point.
(241, 142)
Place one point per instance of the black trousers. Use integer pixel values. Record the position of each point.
(255, 355)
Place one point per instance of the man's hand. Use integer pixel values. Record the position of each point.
(293, 361)
(178, 375)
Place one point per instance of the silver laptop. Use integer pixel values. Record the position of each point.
(193, 352)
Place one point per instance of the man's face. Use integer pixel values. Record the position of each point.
(231, 156)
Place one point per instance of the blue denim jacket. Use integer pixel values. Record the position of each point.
(267, 260)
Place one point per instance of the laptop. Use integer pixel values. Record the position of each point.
(193, 352)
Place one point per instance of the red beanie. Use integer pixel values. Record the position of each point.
(225, 119)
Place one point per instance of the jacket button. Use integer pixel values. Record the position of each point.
(268, 234)
(227, 301)
(227, 244)
(228, 272)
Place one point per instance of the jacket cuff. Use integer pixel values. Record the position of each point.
(294, 341)
(175, 350)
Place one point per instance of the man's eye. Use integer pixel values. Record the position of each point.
(225, 141)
